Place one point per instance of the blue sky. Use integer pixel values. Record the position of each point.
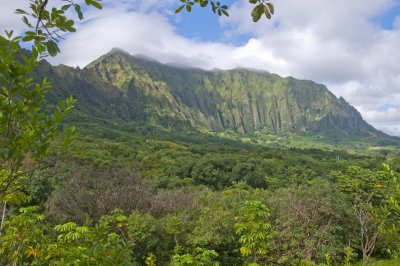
(202, 24)
(199, 24)
(388, 18)
(351, 46)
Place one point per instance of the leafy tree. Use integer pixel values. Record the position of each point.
(26, 131)
(349, 256)
(369, 194)
(29, 240)
(142, 230)
(202, 257)
(391, 229)
(254, 229)
(172, 226)
(24, 237)
(101, 244)
(310, 221)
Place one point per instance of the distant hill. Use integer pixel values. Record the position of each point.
(142, 91)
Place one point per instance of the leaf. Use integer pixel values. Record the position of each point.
(204, 3)
(257, 12)
(9, 33)
(253, 1)
(79, 11)
(267, 13)
(65, 7)
(225, 13)
(271, 8)
(52, 48)
(27, 38)
(179, 9)
(94, 3)
(61, 104)
(20, 11)
(26, 21)
(69, 23)
(188, 8)
(213, 6)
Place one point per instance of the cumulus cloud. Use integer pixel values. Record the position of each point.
(386, 120)
(339, 43)
(152, 34)
(8, 19)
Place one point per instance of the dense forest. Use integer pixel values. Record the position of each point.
(144, 197)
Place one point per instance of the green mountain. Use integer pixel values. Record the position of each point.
(141, 91)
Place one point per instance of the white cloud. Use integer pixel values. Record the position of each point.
(153, 35)
(331, 42)
(386, 120)
(8, 19)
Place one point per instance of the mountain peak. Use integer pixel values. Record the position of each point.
(122, 54)
(145, 57)
(116, 50)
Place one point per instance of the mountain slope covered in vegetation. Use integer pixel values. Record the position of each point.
(142, 91)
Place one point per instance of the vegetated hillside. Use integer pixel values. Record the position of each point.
(239, 100)
(141, 91)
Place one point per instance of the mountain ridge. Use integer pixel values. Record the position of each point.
(144, 91)
(232, 116)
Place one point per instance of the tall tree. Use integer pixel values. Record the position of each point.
(254, 229)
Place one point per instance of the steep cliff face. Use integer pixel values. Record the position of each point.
(238, 100)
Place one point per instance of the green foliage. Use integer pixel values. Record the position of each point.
(151, 260)
(27, 238)
(390, 229)
(254, 229)
(23, 238)
(202, 257)
(371, 195)
(100, 244)
(362, 185)
(216, 6)
(310, 220)
(25, 130)
(46, 21)
(213, 227)
(263, 7)
(349, 256)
